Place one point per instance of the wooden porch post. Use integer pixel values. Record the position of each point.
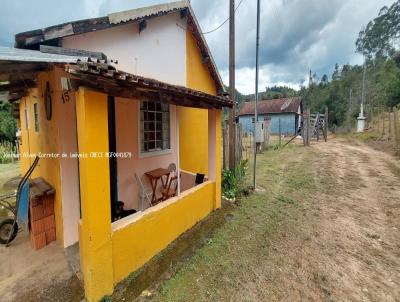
(95, 225)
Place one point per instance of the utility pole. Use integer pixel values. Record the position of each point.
(256, 105)
(232, 112)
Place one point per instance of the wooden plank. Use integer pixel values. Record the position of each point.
(17, 86)
(72, 52)
(133, 93)
(15, 95)
(89, 25)
(9, 68)
(58, 31)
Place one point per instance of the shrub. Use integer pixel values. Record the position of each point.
(232, 180)
(5, 154)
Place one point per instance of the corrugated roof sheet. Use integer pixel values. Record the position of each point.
(26, 55)
(146, 12)
(284, 105)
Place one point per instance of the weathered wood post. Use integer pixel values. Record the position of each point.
(239, 141)
(225, 146)
(383, 123)
(306, 128)
(326, 120)
(390, 125)
(396, 130)
(280, 132)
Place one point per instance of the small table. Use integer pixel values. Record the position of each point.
(154, 176)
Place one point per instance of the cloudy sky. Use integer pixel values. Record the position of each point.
(296, 35)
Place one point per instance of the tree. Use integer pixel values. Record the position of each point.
(324, 80)
(8, 126)
(379, 37)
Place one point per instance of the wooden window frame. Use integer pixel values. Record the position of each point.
(154, 131)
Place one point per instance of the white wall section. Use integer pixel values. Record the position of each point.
(158, 52)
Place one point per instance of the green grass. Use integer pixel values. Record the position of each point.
(7, 172)
(234, 256)
(366, 136)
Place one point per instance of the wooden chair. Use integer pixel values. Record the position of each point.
(171, 189)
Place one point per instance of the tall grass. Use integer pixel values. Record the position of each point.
(7, 151)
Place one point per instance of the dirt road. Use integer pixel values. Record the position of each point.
(327, 229)
(359, 227)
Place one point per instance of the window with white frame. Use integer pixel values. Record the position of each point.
(36, 116)
(154, 126)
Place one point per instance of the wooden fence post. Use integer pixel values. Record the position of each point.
(390, 125)
(239, 142)
(280, 132)
(396, 130)
(307, 128)
(383, 123)
(326, 120)
(225, 146)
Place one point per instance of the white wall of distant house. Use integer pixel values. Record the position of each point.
(158, 52)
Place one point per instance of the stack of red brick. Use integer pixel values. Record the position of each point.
(41, 209)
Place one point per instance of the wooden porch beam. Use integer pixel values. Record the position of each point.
(130, 92)
(10, 68)
(18, 85)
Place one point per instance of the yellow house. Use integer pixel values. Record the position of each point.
(130, 132)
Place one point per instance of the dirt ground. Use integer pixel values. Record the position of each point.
(327, 229)
(29, 275)
(359, 228)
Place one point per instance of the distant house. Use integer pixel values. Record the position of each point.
(286, 110)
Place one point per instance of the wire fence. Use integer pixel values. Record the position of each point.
(244, 143)
(386, 125)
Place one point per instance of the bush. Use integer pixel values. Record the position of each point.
(5, 154)
(232, 180)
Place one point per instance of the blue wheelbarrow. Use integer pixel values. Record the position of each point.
(19, 218)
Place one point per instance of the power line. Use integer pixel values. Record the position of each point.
(222, 24)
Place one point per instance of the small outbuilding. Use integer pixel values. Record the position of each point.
(285, 111)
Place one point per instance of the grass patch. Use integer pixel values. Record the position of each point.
(231, 260)
(7, 172)
(365, 136)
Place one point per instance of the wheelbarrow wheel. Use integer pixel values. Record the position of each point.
(6, 227)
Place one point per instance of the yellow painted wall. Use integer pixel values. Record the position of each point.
(44, 141)
(95, 227)
(194, 134)
(138, 242)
